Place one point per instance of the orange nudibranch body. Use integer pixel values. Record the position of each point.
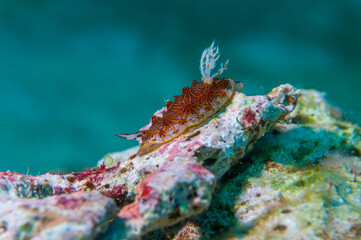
(196, 104)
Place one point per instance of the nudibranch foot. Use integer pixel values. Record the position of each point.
(197, 104)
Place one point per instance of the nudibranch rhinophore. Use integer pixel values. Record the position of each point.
(196, 104)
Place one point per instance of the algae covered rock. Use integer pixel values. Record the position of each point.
(301, 181)
(154, 190)
(79, 215)
(257, 170)
(313, 129)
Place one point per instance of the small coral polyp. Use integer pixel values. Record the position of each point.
(196, 104)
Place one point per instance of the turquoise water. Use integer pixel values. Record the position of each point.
(75, 73)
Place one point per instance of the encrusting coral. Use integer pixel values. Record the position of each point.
(300, 179)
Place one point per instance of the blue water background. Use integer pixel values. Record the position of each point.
(75, 73)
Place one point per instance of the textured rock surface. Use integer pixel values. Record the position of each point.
(78, 215)
(178, 190)
(301, 179)
(215, 146)
(169, 184)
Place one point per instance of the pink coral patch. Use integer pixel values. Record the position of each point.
(70, 203)
(198, 169)
(191, 147)
(146, 191)
(163, 149)
(175, 149)
(249, 115)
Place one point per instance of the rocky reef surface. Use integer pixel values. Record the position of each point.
(300, 181)
(262, 168)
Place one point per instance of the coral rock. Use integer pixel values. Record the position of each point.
(78, 215)
(165, 186)
(217, 146)
(301, 179)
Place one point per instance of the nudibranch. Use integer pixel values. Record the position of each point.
(196, 105)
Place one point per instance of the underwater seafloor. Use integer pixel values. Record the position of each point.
(281, 166)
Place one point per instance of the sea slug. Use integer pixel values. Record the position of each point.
(196, 104)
